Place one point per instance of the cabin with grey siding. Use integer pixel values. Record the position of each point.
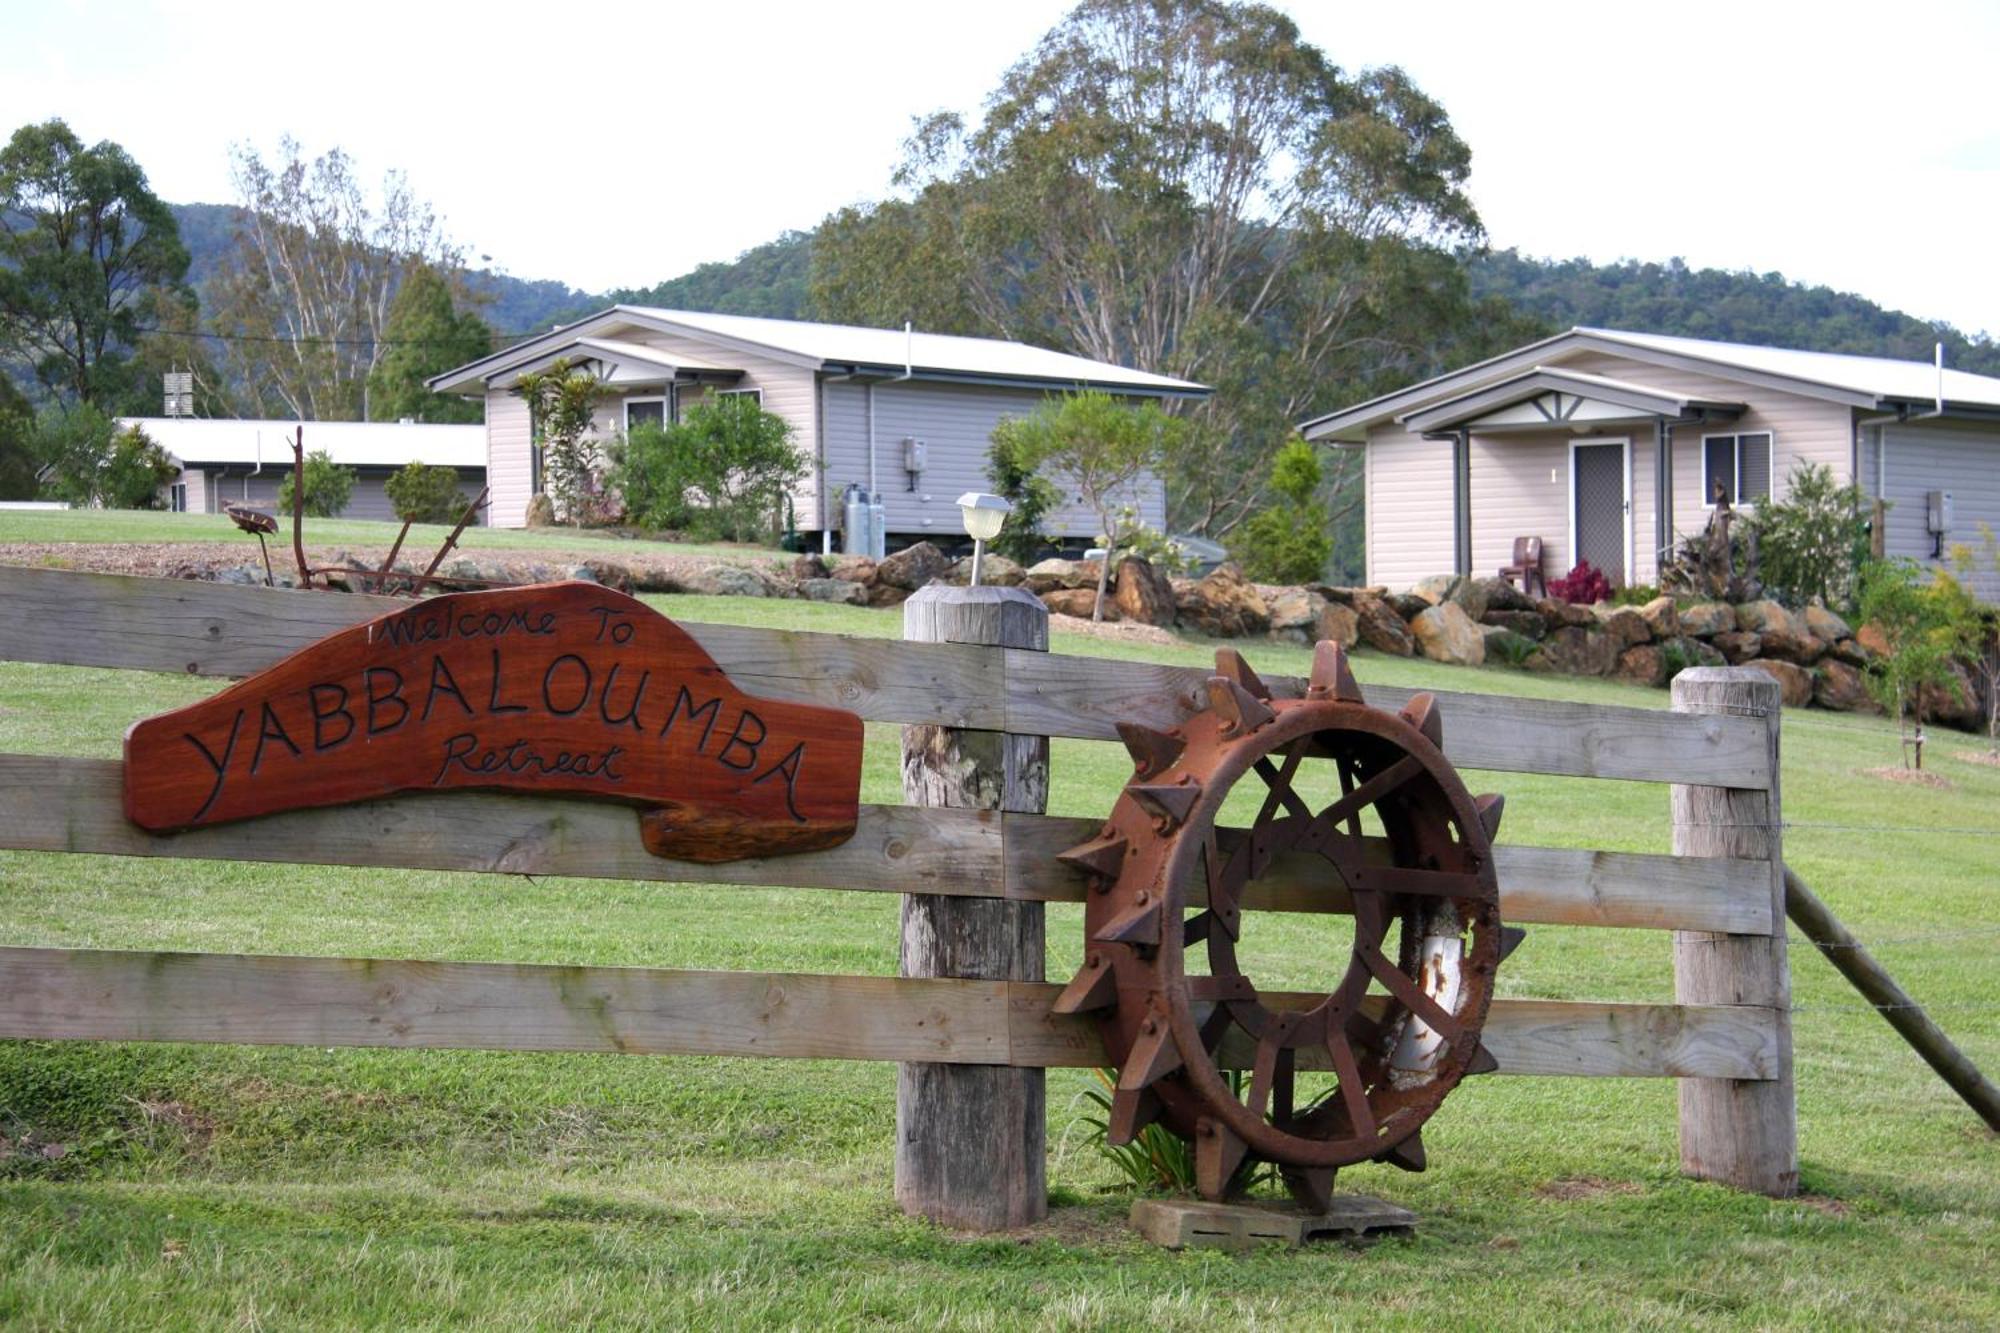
(225, 461)
(863, 404)
(1609, 445)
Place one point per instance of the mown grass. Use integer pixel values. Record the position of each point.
(147, 526)
(229, 1186)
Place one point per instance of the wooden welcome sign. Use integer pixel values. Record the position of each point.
(561, 688)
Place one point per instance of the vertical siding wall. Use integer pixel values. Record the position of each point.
(1956, 456)
(956, 424)
(1409, 507)
(509, 468)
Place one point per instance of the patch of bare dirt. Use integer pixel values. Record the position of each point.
(1986, 758)
(1571, 1189)
(1130, 632)
(1909, 777)
(1820, 1203)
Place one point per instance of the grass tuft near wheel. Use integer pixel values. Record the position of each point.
(1403, 848)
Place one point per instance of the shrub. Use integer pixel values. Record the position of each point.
(1585, 584)
(1288, 541)
(723, 472)
(1015, 480)
(1156, 548)
(87, 460)
(423, 494)
(328, 486)
(1811, 543)
(561, 401)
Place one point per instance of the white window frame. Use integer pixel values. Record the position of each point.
(625, 409)
(1630, 572)
(1736, 455)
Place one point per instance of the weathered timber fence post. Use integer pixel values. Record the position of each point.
(971, 1139)
(1738, 1131)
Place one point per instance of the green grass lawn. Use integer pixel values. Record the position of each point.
(144, 526)
(238, 1187)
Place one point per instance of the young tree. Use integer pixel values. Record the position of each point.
(87, 254)
(561, 399)
(328, 486)
(422, 494)
(1287, 541)
(1917, 626)
(1096, 445)
(1983, 631)
(722, 472)
(426, 335)
(316, 268)
(1032, 495)
(1189, 187)
(88, 461)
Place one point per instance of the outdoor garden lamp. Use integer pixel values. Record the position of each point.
(983, 516)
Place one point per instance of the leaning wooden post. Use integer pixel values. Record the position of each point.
(970, 1139)
(1738, 1131)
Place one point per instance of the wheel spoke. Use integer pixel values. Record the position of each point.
(1413, 997)
(1353, 1095)
(1374, 789)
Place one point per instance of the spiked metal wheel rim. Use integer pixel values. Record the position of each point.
(1393, 1056)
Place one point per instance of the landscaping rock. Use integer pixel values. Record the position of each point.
(1707, 619)
(1346, 596)
(1849, 651)
(1824, 624)
(1504, 596)
(808, 567)
(913, 567)
(1407, 604)
(1795, 683)
(1624, 624)
(1786, 647)
(1686, 652)
(1294, 614)
(1472, 596)
(1224, 604)
(1738, 646)
(1576, 651)
(732, 581)
(1447, 634)
(854, 569)
(833, 590)
(1528, 624)
(1435, 588)
(886, 594)
(1077, 602)
(996, 571)
(607, 572)
(1504, 645)
(1872, 640)
(1838, 686)
(1558, 612)
(1145, 594)
(1338, 622)
(1662, 617)
(1055, 572)
(1644, 664)
(1759, 616)
(1382, 629)
(1957, 702)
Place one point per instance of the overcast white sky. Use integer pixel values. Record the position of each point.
(611, 144)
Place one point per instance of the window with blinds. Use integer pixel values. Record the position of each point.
(1736, 468)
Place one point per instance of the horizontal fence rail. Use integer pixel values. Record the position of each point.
(50, 804)
(208, 629)
(109, 995)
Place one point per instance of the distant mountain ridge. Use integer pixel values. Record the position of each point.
(774, 280)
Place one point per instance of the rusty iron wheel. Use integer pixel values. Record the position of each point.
(1166, 878)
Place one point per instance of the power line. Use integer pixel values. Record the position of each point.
(297, 339)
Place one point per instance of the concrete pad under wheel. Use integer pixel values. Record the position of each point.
(1178, 1224)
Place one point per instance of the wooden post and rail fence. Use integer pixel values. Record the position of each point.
(972, 852)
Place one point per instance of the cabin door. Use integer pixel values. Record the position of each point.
(1600, 489)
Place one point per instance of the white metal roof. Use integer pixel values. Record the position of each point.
(830, 345)
(1879, 375)
(196, 441)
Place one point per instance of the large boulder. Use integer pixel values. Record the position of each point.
(1382, 629)
(1435, 588)
(1504, 596)
(833, 590)
(1625, 624)
(1688, 651)
(1576, 651)
(1662, 617)
(1824, 624)
(1294, 614)
(886, 594)
(1077, 602)
(1528, 624)
(913, 567)
(1338, 622)
(1785, 646)
(1224, 604)
(1838, 686)
(1558, 612)
(1642, 664)
(1957, 702)
(1407, 604)
(732, 581)
(1447, 634)
(1472, 596)
(1759, 616)
(808, 567)
(1872, 640)
(1849, 651)
(1334, 592)
(1737, 646)
(995, 571)
(1056, 572)
(1705, 620)
(854, 569)
(1795, 683)
(1144, 593)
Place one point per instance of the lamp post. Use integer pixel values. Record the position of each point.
(984, 514)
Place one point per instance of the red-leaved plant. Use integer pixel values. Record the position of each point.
(1585, 584)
